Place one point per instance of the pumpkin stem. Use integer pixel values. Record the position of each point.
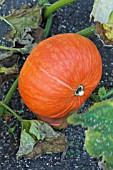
(79, 91)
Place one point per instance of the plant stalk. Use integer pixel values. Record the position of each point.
(108, 94)
(10, 110)
(9, 48)
(9, 95)
(87, 31)
(48, 26)
(52, 8)
(2, 18)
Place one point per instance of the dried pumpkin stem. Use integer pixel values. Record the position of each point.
(11, 111)
(9, 95)
(56, 6)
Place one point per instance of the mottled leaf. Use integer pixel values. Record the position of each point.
(7, 55)
(23, 22)
(34, 129)
(24, 18)
(26, 144)
(99, 136)
(41, 139)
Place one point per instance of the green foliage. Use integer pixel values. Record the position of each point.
(102, 91)
(11, 129)
(42, 3)
(11, 70)
(99, 136)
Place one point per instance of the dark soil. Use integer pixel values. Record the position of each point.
(71, 18)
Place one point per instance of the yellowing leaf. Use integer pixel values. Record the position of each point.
(101, 11)
(102, 14)
(23, 21)
(105, 31)
(26, 144)
(38, 137)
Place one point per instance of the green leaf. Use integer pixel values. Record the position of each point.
(11, 129)
(26, 144)
(102, 91)
(99, 136)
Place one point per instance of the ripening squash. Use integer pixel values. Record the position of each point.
(59, 75)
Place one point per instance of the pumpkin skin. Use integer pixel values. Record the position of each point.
(59, 75)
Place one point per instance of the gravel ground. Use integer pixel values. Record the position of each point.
(71, 18)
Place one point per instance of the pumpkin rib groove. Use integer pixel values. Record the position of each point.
(61, 114)
(97, 70)
(55, 78)
(89, 78)
(68, 56)
(38, 92)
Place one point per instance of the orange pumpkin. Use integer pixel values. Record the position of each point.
(59, 75)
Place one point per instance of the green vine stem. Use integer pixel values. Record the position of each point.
(94, 97)
(43, 3)
(11, 70)
(48, 26)
(10, 48)
(108, 94)
(9, 95)
(52, 8)
(11, 111)
(1, 2)
(2, 18)
(87, 31)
